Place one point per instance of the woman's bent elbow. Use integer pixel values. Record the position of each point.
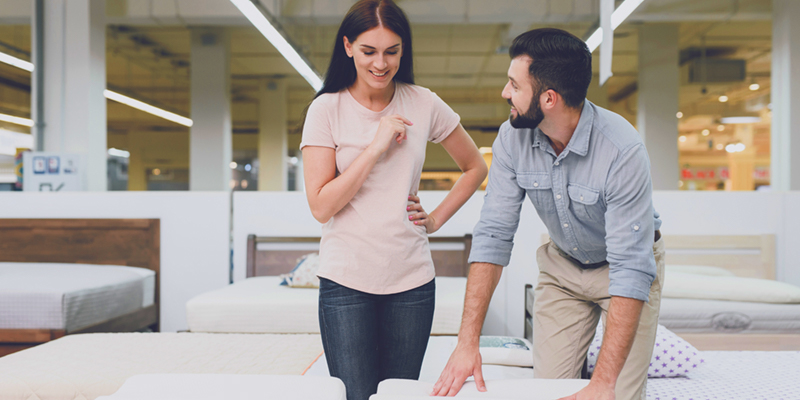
(320, 215)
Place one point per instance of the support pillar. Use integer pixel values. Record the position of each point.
(742, 164)
(273, 142)
(137, 174)
(68, 101)
(210, 139)
(785, 88)
(658, 101)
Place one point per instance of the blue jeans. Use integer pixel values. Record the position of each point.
(368, 338)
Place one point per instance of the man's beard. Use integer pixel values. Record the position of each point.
(532, 118)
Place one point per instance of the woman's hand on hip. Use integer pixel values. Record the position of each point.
(418, 216)
(392, 127)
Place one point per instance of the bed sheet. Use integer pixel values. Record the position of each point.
(735, 375)
(261, 305)
(83, 367)
(70, 296)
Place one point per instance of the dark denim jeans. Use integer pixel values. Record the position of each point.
(368, 338)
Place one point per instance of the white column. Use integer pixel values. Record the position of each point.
(785, 87)
(210, 141)
(658, 101)
(74, 64)
(272, 136)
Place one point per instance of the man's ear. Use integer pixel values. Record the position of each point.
(348, 47)
(550, 98)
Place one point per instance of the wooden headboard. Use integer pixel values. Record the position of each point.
(269, 256)
(130, 242)
(751, 256)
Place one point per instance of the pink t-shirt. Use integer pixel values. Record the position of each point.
(370, 245)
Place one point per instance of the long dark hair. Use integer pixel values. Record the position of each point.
(363, 16)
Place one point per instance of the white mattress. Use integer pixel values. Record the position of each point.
(227, 386)
(70, 296)
(719, 316)
(506, 389)
(735, 375)
(436, 355)
(724, 375)
(261, 305)
(83, 367)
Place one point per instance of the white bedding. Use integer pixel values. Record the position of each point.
(735, 375)
(508, 389)
(719, 316)
(724, 375)
(227, 386)
(70, 296)
(261, 305)
(83, 367)
(436, 356)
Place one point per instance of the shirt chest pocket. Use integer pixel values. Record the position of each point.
(584, 203)
(539, 187)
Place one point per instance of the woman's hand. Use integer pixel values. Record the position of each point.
(419, 217)
(392, 127)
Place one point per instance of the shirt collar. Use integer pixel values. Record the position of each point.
(579, 143)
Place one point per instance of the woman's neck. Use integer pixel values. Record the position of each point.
(374, 99)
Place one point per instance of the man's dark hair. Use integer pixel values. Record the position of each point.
(561, 62)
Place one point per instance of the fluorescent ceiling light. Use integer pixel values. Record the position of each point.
(16, 62)
(617, 18)
(119, 153)
(22, 64)
(288, 51)
(128, 101)
(16, 120)
(740, 120)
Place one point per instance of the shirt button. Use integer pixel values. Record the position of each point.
(536, 185)
(636, 227)
(556, 162)
(574, 249)
(566, 225)
(581, 197)
(558, 196)
(587, 261)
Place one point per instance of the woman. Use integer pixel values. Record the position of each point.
(364, 141)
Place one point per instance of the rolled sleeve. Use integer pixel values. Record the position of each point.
(493, 237)
(630, 225)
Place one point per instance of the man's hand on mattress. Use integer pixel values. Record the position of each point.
(593, 391)
(418, 216)
(463, 363)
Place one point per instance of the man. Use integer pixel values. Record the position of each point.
(587, 173)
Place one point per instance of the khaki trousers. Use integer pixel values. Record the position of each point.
(568, 303)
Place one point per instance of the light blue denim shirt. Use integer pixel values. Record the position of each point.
(595, 198)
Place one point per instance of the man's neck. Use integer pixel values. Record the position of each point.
(561, 128)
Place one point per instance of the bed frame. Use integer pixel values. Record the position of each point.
(270, 256)
(129, 242)
(751, 256)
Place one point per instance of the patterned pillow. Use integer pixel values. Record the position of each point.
(304, 274)
(672, 356)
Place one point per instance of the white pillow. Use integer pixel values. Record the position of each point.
(505, 350)
(700, 270)
(304, 274)
(732, 288)
(672, 356)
